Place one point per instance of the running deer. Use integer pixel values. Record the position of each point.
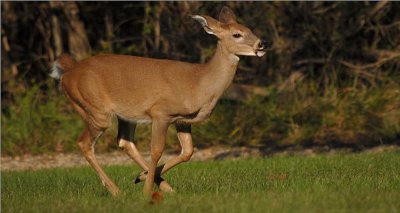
(160, 92)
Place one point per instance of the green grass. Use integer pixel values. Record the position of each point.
(340, 183)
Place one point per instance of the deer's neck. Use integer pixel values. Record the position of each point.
(218, 73)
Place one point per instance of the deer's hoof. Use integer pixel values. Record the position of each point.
(141, 177)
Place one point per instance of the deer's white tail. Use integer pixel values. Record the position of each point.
(56, 71)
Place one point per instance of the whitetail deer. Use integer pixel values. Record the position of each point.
(163, 92)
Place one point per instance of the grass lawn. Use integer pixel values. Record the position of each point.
(339, 183)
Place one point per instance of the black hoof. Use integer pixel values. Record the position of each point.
(137, 180)
(157, 179)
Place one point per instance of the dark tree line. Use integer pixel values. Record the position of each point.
(331, 76)
(325, 41)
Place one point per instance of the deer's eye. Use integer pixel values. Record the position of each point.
(237, 35)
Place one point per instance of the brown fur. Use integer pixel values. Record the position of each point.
(66, 62)
(163, 91)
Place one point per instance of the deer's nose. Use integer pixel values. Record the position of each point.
(263, 44)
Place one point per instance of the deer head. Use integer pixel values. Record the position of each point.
(238, 39)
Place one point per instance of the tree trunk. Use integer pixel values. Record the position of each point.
(55, 28)
(8, 16)
(77, 39)
(157, 28)
(108, 21)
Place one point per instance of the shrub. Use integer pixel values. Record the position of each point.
(38, 122)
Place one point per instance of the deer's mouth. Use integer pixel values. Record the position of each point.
(260, 53)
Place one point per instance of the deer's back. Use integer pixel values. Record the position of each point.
(129, 85)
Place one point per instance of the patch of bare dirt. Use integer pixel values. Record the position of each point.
(120, 158)
(66, 160)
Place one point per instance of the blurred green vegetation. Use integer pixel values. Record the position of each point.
(332, 74)
(42, 121)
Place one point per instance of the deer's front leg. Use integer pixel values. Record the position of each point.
(125, 140)
(185, 139)
(158, 137)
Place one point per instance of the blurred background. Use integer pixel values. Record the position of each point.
(331, 78)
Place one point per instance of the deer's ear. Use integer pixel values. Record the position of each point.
(209, 24)
(227, 16)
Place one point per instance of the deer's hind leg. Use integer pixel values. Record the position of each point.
(94, 128)
(86, 143)
(126, 133)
